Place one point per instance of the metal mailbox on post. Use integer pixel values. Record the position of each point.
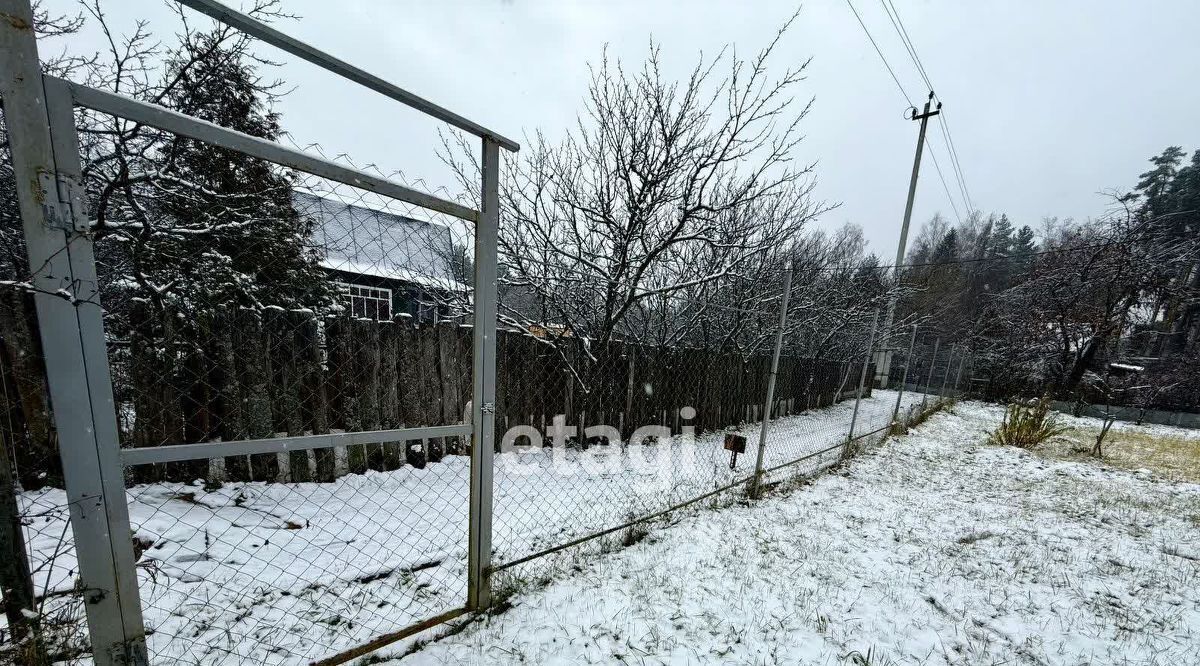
(736, 444)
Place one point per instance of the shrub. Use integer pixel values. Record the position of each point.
(1026, 425)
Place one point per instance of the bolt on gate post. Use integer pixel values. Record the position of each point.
(45, 160)
(770, 397)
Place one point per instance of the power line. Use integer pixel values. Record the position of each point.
(898, 24)
(904, 39)
(943, 179)
(954, 156)
(958, 180)
(900, 30)
(881, 56)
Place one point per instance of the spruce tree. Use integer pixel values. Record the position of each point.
(200, 247)
(222, 229)
(1001, 240)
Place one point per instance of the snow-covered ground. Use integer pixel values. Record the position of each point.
(285, 573)
(932, 549)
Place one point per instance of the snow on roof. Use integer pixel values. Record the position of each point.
(393, 273)
(364, 241)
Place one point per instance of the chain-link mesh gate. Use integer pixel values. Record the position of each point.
(300, 551)
(288, 358)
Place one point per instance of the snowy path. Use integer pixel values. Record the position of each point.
(933, 549)
(285, 573)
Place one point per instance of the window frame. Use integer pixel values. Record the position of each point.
(376, 301)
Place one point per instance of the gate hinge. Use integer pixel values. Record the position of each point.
(63, 202)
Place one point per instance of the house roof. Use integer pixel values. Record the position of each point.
(364, 241)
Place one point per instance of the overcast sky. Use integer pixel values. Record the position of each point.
(1048, 101)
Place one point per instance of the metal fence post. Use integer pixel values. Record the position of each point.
(932, 364)
(483, 404)
(958, 373)
(912, 341)
(770, 398)
(946, 375)
(862, 377)
(45, 161)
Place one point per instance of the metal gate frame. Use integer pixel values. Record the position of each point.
(39, 111)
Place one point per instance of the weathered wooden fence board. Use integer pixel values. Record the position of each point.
(247, 374)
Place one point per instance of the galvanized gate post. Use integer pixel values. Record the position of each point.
(770, 397)
(483, 402)
(45, 160)
(904, 378)
(862, 380)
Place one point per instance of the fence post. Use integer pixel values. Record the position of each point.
(770, 397)
(946, 375)
(904, 378)
(45, 160)
(862, 379)
(483, 399)
(958, 373)
(932, 363)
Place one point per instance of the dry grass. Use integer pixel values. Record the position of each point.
(1173, 457)
(1026, 425)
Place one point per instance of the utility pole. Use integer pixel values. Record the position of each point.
(883, 363)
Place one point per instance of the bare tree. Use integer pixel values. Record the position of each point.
(662, 189)
(1091, 284)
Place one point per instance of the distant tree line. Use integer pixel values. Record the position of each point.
(1104, 309)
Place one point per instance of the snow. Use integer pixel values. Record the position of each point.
(379, 243)
(285, 573)
(393, 273)
(933, 549)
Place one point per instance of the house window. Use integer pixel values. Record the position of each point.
(368, 302)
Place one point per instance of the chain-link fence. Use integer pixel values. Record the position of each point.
(265, 376)
(293, 410)
(295, 555)
(327, 326)
(599, 438)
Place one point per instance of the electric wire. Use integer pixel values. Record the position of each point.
(904, 39)
(942, 178)
(898, 24)
(962, 178)
(880, 52)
